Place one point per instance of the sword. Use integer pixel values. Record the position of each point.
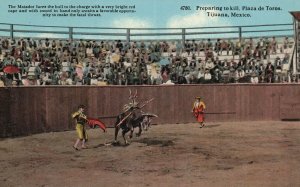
(220, 113)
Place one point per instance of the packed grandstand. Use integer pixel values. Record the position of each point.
(114, 62)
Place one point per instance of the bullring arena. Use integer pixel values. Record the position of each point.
(220, 154)
(251, 136)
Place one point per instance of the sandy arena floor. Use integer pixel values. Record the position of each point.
(220, 154)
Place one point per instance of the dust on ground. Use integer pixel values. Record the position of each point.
(220, 154)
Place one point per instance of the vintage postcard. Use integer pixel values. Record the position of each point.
(149, 93)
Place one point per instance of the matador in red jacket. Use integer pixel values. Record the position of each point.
(198, 110)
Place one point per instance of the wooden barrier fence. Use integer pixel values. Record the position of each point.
(29, 110)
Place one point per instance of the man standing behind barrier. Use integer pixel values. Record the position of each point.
(80, 121)
(198, 111)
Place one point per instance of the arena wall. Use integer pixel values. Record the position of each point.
(29, 110)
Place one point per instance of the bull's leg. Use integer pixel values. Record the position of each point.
(131, 132)
(116, 133)
(143, 125)
(117, 127)
(123, 134)
(149, 123)
(140, 130)
(146, 123)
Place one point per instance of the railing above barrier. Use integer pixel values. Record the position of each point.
(132, 34)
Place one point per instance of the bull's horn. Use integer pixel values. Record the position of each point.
(130, 94)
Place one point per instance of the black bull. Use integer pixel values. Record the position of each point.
(128, 121)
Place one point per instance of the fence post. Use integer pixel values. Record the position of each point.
(71, 33)
(240, 34)
(128, 35)
(296, 68)
(11, 31)
(183, 36)
(240, 39)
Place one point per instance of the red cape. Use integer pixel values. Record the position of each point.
(92, 122)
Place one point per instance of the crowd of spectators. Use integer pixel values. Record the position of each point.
(88, 62)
